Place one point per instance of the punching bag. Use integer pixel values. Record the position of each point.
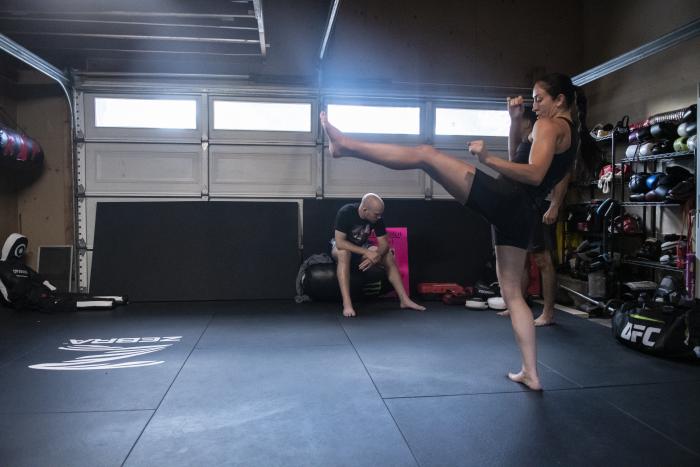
(19, 151)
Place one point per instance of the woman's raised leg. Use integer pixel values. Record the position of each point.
(453, 174)
(509, 263)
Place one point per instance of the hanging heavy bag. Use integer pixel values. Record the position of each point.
(658, 329)
(19, 152)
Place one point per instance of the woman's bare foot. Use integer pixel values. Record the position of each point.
(335, 136)
(545, 319)
(349, 312)
(529, 381)
(412, 305)
(504, 313)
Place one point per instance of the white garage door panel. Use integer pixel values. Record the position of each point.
(262, 171)
(142, 169)
(349, 177)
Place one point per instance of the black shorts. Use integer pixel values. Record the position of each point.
(507, 205)
(543, 236)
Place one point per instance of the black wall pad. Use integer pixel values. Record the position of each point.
(446, 242)
(56, 265)
(196, 250)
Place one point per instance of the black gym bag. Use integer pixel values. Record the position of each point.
(659, 329)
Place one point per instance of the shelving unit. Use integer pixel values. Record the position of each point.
(613, 242)
(652, 265)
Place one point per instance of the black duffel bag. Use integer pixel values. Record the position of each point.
(659, 329)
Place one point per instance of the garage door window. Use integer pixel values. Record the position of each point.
(145, 113)
(468, 122)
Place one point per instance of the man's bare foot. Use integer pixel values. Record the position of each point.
(529, 381)
(544, 320)
(412, 305)
(349, 312)
(335, 136)
(504, 313)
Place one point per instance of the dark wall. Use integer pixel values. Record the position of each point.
(446, 242)
(496, 43)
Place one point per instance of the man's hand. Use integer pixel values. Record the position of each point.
(550, 216)
(369, 259)
(515, 107)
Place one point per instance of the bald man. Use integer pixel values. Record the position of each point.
(353, 225)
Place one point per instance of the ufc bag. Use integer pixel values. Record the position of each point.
(658, 329)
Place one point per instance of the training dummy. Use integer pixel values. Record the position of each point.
(23, 289)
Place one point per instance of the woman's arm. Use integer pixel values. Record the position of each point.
(544, 143)
(515, 111)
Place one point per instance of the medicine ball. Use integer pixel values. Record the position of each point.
(656, 195)
(631, 151)
(692, 141)
(653, 180)
(687, 129)
(644, 133)
(663, 130)
(639, 135)
(645, 150)
(661, 192)
(637, 183)
(662, 147)
(680, 144)
(667, 180)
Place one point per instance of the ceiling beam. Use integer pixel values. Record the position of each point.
(104, 51)
(124, 23)
(219, 40)
(329, 27)
(131, 14)
(664, 42)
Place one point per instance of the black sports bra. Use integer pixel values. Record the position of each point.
(561, 164)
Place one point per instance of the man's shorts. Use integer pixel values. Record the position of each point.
(354, 257)
(543, 235)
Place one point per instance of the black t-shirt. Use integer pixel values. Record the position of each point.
(355, 228)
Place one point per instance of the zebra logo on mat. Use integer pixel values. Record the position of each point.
(103, 354)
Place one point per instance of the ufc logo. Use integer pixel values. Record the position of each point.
(632, 332)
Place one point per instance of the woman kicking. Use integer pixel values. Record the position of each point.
(509, 202)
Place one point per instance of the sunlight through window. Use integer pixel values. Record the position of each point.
(375, 119)
(145, 113)
(262, 116)
(467, 122)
